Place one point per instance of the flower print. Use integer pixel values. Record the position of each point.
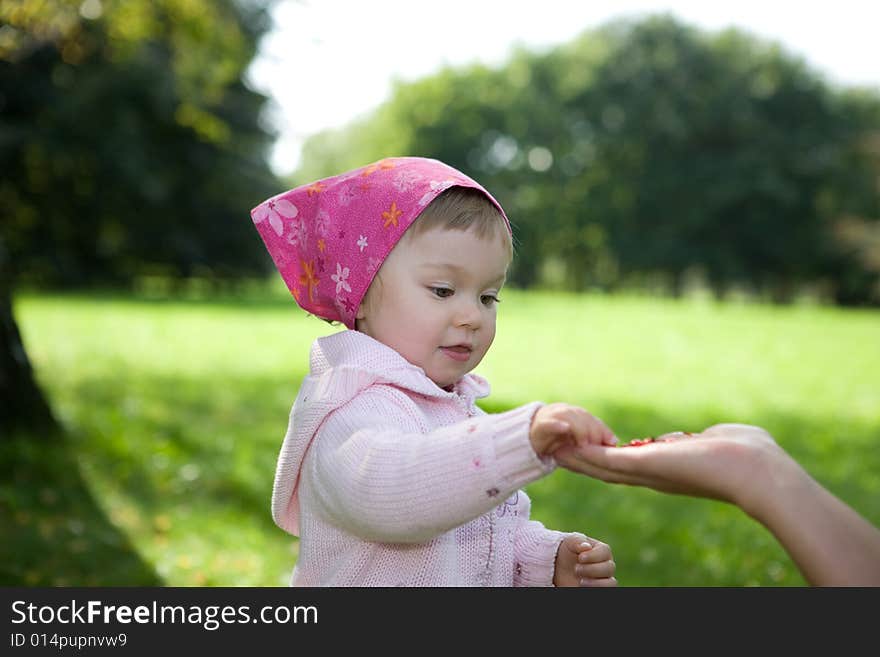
(314, 188)
(362, 243)
(322, 245)
(391, 215)
(406, 180)
(297, 235)
(373, 266)
(344, 305)
(372, 168)
(322, 220)
(275, 210)
(341, 278)
(308, 277)
(437, 186)
(347, 195)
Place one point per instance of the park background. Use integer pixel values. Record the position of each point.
(698, 240)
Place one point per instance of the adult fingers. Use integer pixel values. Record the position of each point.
(652, 466)
(606, 463)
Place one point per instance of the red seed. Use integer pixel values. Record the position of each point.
(636, 442)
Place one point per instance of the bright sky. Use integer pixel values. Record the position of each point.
(329, 61)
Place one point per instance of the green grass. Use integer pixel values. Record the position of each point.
(175, 411)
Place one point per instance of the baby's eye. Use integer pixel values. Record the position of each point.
(441, 292)
(489, 299)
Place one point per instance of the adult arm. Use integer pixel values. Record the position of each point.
(831, 544)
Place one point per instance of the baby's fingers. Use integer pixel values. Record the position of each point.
(601, 434)
(600, 583)
(550, 433)
(598, 552)
(588, 428)
(601, 570)
(576, 543)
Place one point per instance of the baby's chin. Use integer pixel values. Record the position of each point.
(447, 382)
(446, 378)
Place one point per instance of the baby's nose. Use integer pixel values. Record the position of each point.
(468, 313)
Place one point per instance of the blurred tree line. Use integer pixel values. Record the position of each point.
(641, 152)
(649, 153)
(129, 145)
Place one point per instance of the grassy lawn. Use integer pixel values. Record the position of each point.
(175, 411)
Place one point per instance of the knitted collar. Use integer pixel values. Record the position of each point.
(352, 349)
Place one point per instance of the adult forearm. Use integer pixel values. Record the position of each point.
(830, 543)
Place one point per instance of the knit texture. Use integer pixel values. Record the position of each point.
(390, 480)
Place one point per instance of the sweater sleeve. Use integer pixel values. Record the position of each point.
(535, 549)
(374, 472)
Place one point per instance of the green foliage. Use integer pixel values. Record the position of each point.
(652, 152)
(175, 414)
(130, 143)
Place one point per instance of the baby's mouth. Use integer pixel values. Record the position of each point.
(459, 352)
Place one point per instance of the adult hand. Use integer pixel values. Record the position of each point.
(725, 462)
(831, 544)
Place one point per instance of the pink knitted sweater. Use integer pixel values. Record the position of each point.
(390, 480)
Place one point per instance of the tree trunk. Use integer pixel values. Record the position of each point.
(22, 404)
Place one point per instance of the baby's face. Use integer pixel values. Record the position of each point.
(434, 300)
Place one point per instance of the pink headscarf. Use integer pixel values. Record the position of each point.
(329, 238)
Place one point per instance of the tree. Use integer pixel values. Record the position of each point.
(647, 150)
(132, 145)
(24, 405)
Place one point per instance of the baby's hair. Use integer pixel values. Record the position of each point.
(463, 208)
(458, 208)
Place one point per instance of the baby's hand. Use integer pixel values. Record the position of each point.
(582, 561)
(556, 425)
